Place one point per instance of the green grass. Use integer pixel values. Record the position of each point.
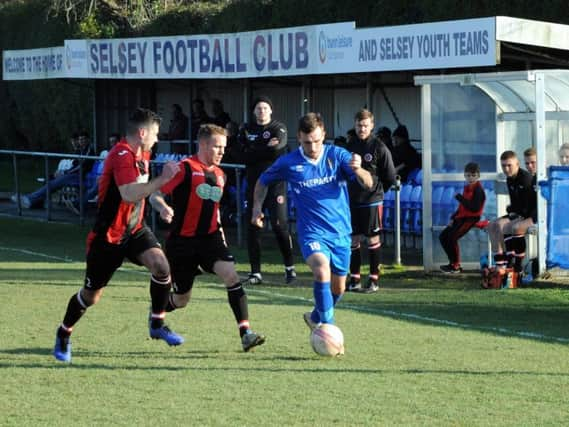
(426, 350)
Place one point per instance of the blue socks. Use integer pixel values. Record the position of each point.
(324, 301)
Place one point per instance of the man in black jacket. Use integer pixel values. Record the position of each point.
(507, 232)
(366, 206)
(262, 142)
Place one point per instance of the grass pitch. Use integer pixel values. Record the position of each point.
(425, 350)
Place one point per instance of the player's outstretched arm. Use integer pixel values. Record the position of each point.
(159, 205)
(363, 176)
(136, 191)
(258, 199)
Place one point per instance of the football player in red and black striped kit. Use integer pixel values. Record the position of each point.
(470, 208)
(119, 231)
(196, 239)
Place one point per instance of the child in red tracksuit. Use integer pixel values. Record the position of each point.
(470, 207)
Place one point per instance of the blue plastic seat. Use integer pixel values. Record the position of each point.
(406, 190)
(416, 217)
(419, 177)
(388, 210)
(438, 189)
(412, 175)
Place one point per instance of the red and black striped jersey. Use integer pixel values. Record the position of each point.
(116, 218)
(196, 191)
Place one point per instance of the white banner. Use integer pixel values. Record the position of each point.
(318, 49)
(451, 44)
(279, 52)
(33, 64)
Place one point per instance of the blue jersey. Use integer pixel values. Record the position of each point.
(319, 190)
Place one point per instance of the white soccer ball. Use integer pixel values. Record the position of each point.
(327, 340)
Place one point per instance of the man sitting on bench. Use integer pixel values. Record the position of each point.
(67, 178)
(507, 233)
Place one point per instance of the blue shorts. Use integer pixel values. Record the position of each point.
(337, 251)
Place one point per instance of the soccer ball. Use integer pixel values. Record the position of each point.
(327, 340)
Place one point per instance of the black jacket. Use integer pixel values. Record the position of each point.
(255, 153)
(523, 197)
(376, 159)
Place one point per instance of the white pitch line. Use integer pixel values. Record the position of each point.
(389, 313)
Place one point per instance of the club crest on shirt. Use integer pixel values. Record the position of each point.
(208, 192)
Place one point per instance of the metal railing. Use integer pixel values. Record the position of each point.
(238, 168)
(16, 154)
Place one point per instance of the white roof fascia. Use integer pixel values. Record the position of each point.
(534, 33)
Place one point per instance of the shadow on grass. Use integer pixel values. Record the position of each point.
(520, 313)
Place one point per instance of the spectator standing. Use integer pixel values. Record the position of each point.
(470, 208)
(384, 135)
(262, 142)
(366, 205)
(220, 117)
(405, 156)
(198, 118)
(178, 128)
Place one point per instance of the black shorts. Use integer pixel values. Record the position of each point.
(187, 254)
(275, 203)
(104, 258)
(367, 220)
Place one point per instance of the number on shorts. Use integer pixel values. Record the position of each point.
(315, 246)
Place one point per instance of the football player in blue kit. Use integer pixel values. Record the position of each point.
(318, 175)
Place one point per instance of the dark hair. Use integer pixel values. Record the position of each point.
(509, 154)
(263, 98)
(384, 132)
(310, 122)
(472, 167)
(363, 114)
(402, 132)
(207, 130)
(141, 117)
